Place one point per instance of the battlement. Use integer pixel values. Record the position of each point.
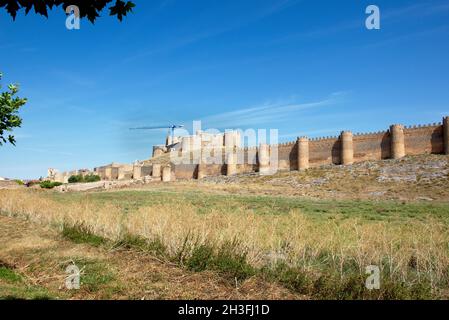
(343, 149)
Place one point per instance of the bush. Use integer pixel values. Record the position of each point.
(49, 184)
(19, 182)
(92, 178)
(88, 178)
(76, 178)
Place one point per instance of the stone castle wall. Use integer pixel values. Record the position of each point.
(303, 153)
(347, 148)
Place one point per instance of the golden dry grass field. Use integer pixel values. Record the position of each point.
(294, 235)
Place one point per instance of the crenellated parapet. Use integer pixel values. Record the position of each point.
(346, 148)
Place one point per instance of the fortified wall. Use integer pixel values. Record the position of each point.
(393, 143)
(347, 148)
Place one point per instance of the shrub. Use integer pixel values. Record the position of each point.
(49, 184)
(80, 233)
(19, 182)
(92, 178)
(88, 178)
(76, 178)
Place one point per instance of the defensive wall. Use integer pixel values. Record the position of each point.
(345, 149)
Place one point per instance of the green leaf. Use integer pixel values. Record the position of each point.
(9, 108)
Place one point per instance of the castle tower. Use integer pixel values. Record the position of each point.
(156, 172)
(201, 171)
(303, 153)
(137, 171)
(108, 173)
(186, 144)
(397, 141)
(264, 159)
(158, 151)
(232, 139)
(120, 173)
(347, 148)
(166, 173)
(446, 134)
(231, 163)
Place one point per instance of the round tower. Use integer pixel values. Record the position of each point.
(397, 141)
(446, 134)
(108, 173)
(231, 163)
(156, 172)
(158, 151)
(166, 173)
(137, 171)
(264, 158)
(201, 171)
(303, 153)
(347, 148)
(186, 144)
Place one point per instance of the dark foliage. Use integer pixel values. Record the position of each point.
(89, 9)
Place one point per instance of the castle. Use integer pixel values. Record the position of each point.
(345, 149)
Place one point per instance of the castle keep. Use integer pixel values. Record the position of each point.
(347, 148)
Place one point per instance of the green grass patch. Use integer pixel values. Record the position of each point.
(391, 211)
(13, 286)
(81, 234)
(95, 275)
(129, 241)
(227, 259)
(8, 275)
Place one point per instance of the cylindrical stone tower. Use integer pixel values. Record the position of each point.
(120, 173)
(108, 173)
(201, 171)
(303, 153)
(446, 134)
(229, 140)
(156, 173)
(186, 144)
(347, 148)
(397, 141)
(166, 174)
(137, 171)
(231, 163)
(264, 158)
(158, 151)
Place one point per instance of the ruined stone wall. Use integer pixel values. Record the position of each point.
(146, 170)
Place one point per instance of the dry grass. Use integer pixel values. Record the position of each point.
(33, 259)
(359, 181)
(412, 252)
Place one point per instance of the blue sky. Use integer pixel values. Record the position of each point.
(303, 67)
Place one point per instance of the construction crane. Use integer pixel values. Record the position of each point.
(171, 131)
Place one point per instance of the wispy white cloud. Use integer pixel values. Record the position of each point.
(267, 113)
